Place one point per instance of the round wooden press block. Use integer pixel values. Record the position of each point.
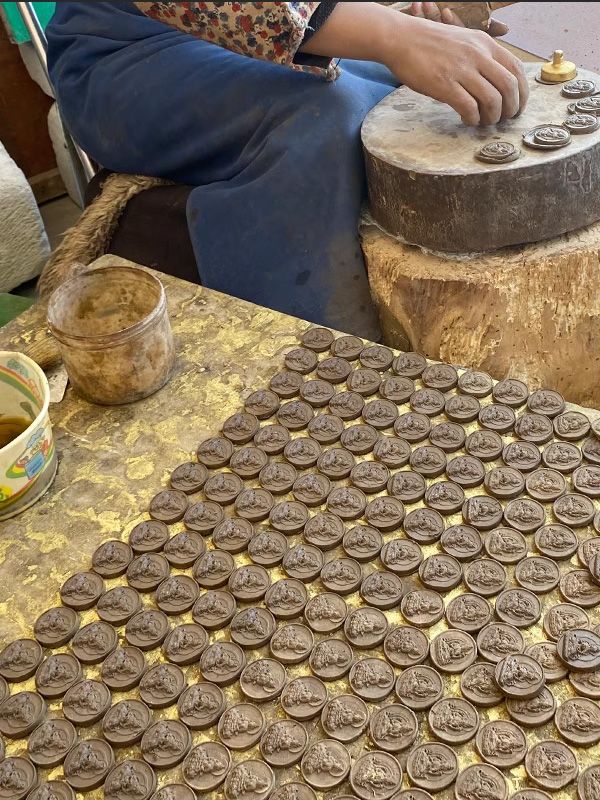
(427, 187)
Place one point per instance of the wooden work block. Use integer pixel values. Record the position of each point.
(530, 312)
(427, 186)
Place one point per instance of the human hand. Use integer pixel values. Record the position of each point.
(431, 11)
(464, 68)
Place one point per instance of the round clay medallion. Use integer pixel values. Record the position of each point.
(412, 427)
(128, 774)
(432, 766)
(232, 534)
(462, 542)
(518, 607)
(381, 414)
(564, 617)
(189, 477)
(86, 702)
(478, 384)
(397, 389)
(371, 678)
(56, 674)
(201, 705)
(92, 643)
(375, 775)
(347, 405)
(370, 476)
(376, 357)
(381, 589)
(326, 612)
(523, 456)
(562, 457)
(364, 381)
(213, 569)
(445, 497)
(407, 486)
(344, 717)
(478, 685)
(545, 484)
(326, 428)
(286, 598)
(409, 365)
(393, 728)
(452, 651)
(348, 347)
(324, 531)
(579, 649)
(21, 713)
(262, 404)
(147, 571)
(214, 609)
(545, 653)
(472, 778)
(303, 562)
(482, 512)
(586, 480)
(267, 548)
(453, 720)
(149, 536)
(289, 517)
(498, 640)
(468, 612)
(123, 669)
(484, 445)
(303, 698)
(335, 370)
(504, 482)
(497, 417)
(501, 743)
(87, 764)
(505, 545)
(302, 452)
(203, 517)
(440, 572)
(578, 587)
(206, 766)
(165, 743)
(422, 607)
(401, 556)
(428, 460)
(551, 765)
(168, 506)
(271, 439)
(50, 742)
(336, 463)
(557, 542)
(301, 360)
(331, 659)
(147, 629)
(252, 627)
(215, 452)
(588, 549)
(423, 525)
(392, 452)
(118, 605)
(317, 339)
(241, 726)
(283, 743)
(406, 646)
(510, 391)
(538, 574)
(419, 687)
(17, 778)
(162, 685)
(247, 462)
(56, 627)
(546, 401)
(249, 583)
(222, 663)
(484, 576)
(578, 88)
(277, 477)
(365, 627)
(223, 487)
(534, 428)
(520, 676)
(325, 764)
(240, 427)
(125, 722)
(262, 680)
(574, 510)
(291, 644)
(52, 790)
(341, 575)
(81, 591)
(286, 384)
(112, 558)
(578, 721)
(295, 415)
(429, 402)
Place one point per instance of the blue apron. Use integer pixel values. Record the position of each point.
(275, 154)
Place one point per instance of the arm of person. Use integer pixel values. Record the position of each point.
(464, 68)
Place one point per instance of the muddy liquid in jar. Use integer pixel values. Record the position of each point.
(11, 427)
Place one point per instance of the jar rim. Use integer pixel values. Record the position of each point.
(104, 340)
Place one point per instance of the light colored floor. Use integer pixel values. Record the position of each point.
(58, 215)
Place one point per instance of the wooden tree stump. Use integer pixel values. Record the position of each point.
(530, 312)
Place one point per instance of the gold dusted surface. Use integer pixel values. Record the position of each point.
(113, 460)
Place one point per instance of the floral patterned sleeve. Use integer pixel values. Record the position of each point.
(269, 31)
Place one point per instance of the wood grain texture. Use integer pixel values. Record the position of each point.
(529, 312)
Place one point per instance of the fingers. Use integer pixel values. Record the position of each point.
(448, 17)
(487, 97)
(428, 11)
(497, 28)
(514, 66)
(507, 85)
(464, 104)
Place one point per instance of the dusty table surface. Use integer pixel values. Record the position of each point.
(113, 460)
